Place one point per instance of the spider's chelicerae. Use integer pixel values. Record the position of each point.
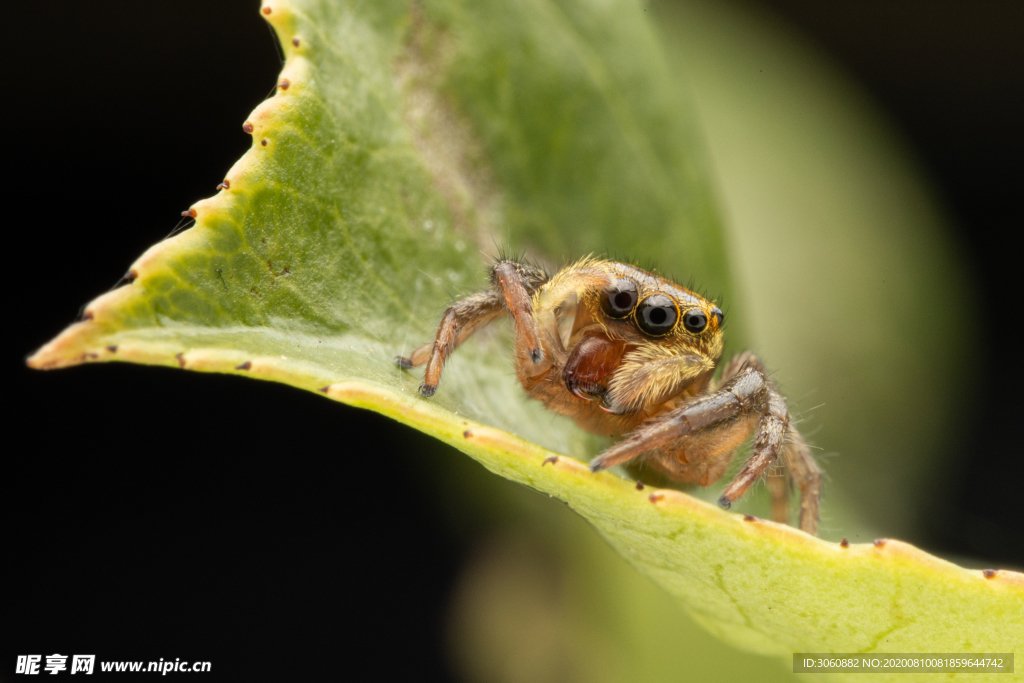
(625, 352)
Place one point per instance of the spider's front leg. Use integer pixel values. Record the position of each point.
(741, 396)
(802, 468)
(512, 285)
(805, 473)
(517, 282)
(713, 425)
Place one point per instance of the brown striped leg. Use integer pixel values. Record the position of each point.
(806, 474)
(777, 486)
(742, 395)
(746, 391)
(459, 321)
(465, 316)
(801, 467)
(511, 279)
(768, 442)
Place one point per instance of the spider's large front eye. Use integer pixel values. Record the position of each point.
(694, 320)
(620, 298)
(657, 315)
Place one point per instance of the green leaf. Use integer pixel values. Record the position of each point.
(403, 140)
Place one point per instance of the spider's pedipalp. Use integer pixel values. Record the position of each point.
(653, 374)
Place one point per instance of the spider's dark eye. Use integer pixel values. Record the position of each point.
(694, 320)
(717, 313)
(620, 298)
(657, 315)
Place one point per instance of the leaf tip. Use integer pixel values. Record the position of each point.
(79, 342)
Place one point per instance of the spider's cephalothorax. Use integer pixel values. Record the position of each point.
(625, 352)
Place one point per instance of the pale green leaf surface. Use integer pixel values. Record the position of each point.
(405, 140)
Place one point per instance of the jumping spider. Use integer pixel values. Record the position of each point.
(626, 352)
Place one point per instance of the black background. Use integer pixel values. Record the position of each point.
(152, 513)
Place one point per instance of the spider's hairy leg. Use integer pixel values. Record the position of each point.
(467, 315)
(806, 474)
(776, 437)
(517, 282)
(800, 465)
(778, 488)
(459, 321)
(740, 396)
(739, 362)
(768, 442)
(702, 458)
